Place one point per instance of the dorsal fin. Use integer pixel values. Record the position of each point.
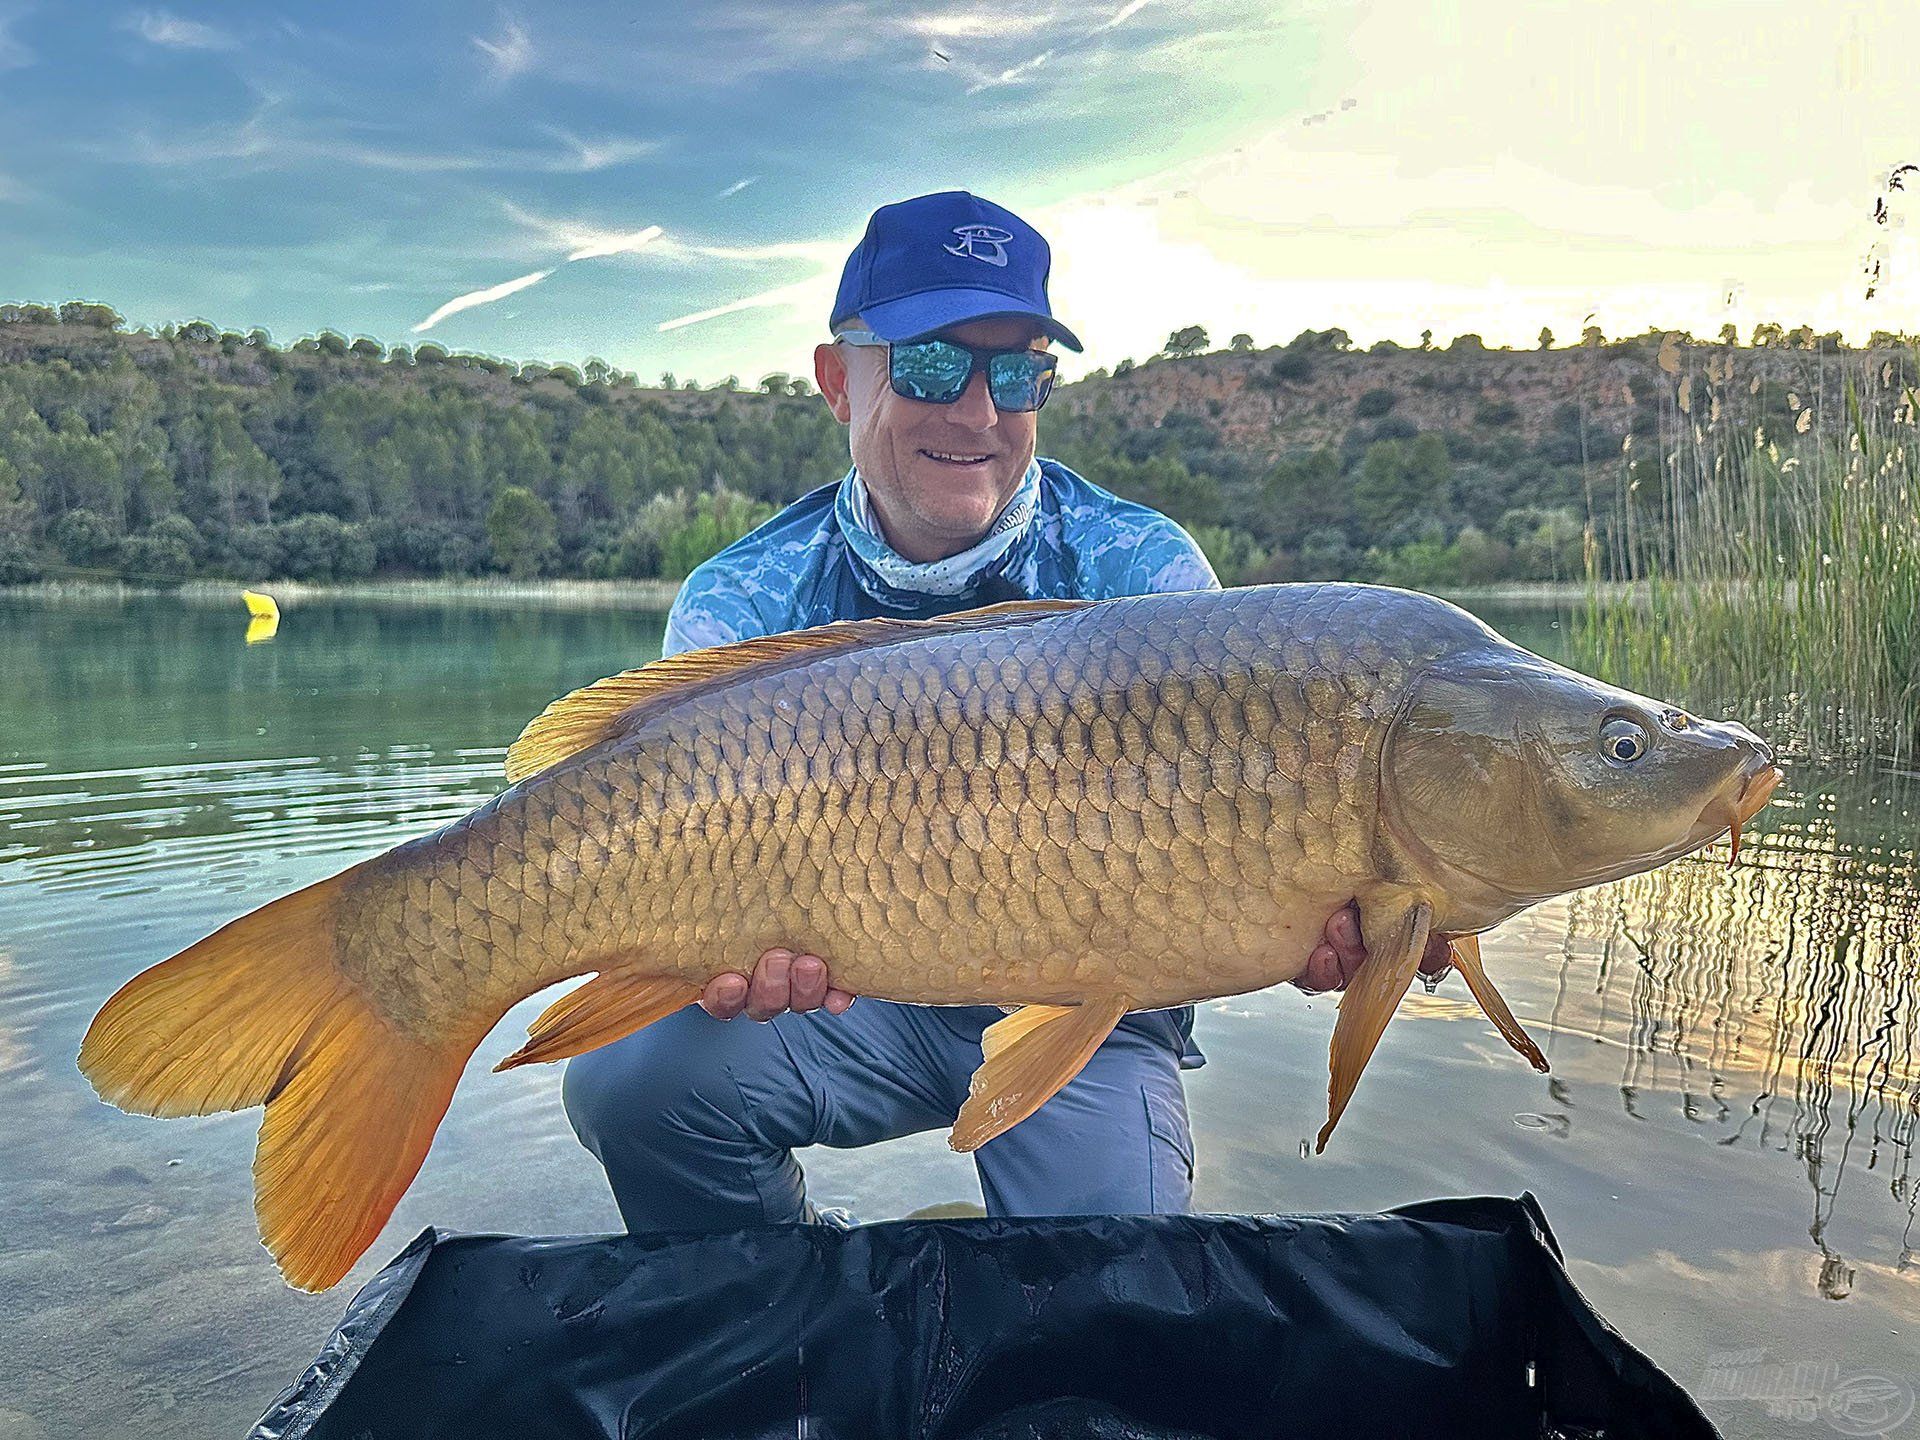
(598, 711)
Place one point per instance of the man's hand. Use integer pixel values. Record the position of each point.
(782, 981)
(1339, 956)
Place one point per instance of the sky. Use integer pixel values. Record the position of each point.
(674, 188)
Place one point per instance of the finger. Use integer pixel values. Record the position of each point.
(724, 996)
(1439, 957)
(1343, 934)
(809, 982)
(838, 1001)
(1322, 972)
(769, 994)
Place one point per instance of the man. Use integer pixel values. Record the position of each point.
(940, 362)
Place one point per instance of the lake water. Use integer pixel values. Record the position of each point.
(1725, 1146)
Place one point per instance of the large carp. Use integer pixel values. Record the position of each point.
(1076, 808)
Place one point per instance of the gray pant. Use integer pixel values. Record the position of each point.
(696, 1119)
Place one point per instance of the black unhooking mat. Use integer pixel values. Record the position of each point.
(1445, 1318)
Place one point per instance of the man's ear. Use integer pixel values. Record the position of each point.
(830, 374)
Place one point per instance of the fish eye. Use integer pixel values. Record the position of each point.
(1622, 741)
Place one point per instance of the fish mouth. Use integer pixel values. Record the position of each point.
(1750, 796)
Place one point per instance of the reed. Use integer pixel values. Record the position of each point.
(1777, 575)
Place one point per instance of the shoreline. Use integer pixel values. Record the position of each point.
(609, 594)
(290, 594)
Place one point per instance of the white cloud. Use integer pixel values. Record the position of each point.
(510, 52)
(1122, 15)
(480, 297)
(583, 243)
(991, 22)
(815, 292)
(275, 145)
(1013, 74)
(624, 244)
(159, 27)
(1022, 72)
(586, 156)
(736, 187)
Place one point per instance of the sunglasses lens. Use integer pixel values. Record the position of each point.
(1019, 382)
(932, 370)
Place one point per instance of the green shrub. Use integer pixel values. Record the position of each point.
(521, 529)
(1234, 554)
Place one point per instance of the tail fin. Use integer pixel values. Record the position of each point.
(258, 1013)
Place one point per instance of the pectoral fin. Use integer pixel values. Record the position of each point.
(1466, 959)
(613, 1004)
(1027, 1057)
(1394, 947)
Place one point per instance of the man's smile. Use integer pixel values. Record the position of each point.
(958, 459)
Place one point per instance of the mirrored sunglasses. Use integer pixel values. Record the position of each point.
(939, 371)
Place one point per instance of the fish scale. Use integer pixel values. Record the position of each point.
(950, 819)
(1075, 808)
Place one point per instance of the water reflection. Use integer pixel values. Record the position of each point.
(1779, 1000)
(158, 778)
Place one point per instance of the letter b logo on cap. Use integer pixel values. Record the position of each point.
(981, 242)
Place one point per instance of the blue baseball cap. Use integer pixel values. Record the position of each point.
(940, 260)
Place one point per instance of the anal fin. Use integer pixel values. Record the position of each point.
(613, 1004)
(1394, 948)
(1466, 959)
(1027, 1057)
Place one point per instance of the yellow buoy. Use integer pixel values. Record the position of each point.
(266, 616)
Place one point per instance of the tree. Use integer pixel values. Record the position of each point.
(1234, 554)
(1729, 335)
(1190, 340)
(1334, 339)
(323, 547)
(1546, 338)
(1398, 480)
(1768, 334)
(1305, 493)
(91, 316)
(1426, 339)
(19, 563)
(1592, 338)
(520, 527)
(778, 383)
(1374, 403)
(1241, 344)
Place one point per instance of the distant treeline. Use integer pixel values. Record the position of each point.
(193, 451)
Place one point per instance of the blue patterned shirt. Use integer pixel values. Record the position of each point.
(823, 558)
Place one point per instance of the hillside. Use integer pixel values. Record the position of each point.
(197, 452)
